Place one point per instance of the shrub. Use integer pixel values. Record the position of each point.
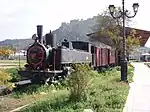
(79, 81)
(130, 73)
(5, 78)
(14, 74)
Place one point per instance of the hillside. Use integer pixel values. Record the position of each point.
(76, 29)
(17, 43)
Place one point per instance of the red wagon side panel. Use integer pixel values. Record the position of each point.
(103, 57)
(107, 56)
(97, 57)
(112, 56)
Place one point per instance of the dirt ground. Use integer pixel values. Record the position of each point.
(8, 103)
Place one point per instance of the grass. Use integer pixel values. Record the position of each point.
(9, 103)
(28, 94)
(148, 64)
(107, 94)
(33, 89)
(11, 63)
(26, 90)
(130, 73)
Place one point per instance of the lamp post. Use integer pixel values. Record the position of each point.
(123, 14)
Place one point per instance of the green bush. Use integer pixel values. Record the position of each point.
(14, 74)
(5, 78)
(130, 73)
(79, 81)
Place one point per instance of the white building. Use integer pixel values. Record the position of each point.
(21, 54)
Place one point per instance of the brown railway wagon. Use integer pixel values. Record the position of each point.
(112, 57)
(104, 57)
(98, 57)
(100, 61)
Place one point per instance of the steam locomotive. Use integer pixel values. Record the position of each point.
(47, 61)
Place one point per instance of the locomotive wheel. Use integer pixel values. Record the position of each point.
(37, 80)
(50, 81)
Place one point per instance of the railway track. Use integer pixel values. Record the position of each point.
(4, 90)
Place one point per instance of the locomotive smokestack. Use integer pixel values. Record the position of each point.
(39, 32)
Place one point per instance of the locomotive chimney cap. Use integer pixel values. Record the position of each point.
(65, 40)
(39, 25)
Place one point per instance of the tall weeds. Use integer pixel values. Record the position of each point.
(79, 81)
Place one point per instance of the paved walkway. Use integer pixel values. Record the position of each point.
(139, 94)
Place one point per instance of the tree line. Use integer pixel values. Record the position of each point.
(5, 51)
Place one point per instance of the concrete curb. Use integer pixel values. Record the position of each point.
(19, 108)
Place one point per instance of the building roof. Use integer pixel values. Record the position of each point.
(145, 54)
(143, 34)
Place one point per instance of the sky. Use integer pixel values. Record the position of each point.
(19, 18)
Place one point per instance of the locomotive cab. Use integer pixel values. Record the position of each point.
(67, 44)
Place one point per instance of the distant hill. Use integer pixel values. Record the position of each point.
(17, 43)
(75, 30)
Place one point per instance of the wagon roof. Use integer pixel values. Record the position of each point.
(145, 54)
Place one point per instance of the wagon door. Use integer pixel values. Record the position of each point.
(97, 57)
(113, 57)
(104, 57)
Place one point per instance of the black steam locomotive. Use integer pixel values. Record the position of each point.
(47, 61)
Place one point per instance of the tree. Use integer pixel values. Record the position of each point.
(107, 26)
(5, 51)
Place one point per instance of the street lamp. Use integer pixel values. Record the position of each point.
(123, 14)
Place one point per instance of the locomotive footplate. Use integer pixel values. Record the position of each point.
(39, 74)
